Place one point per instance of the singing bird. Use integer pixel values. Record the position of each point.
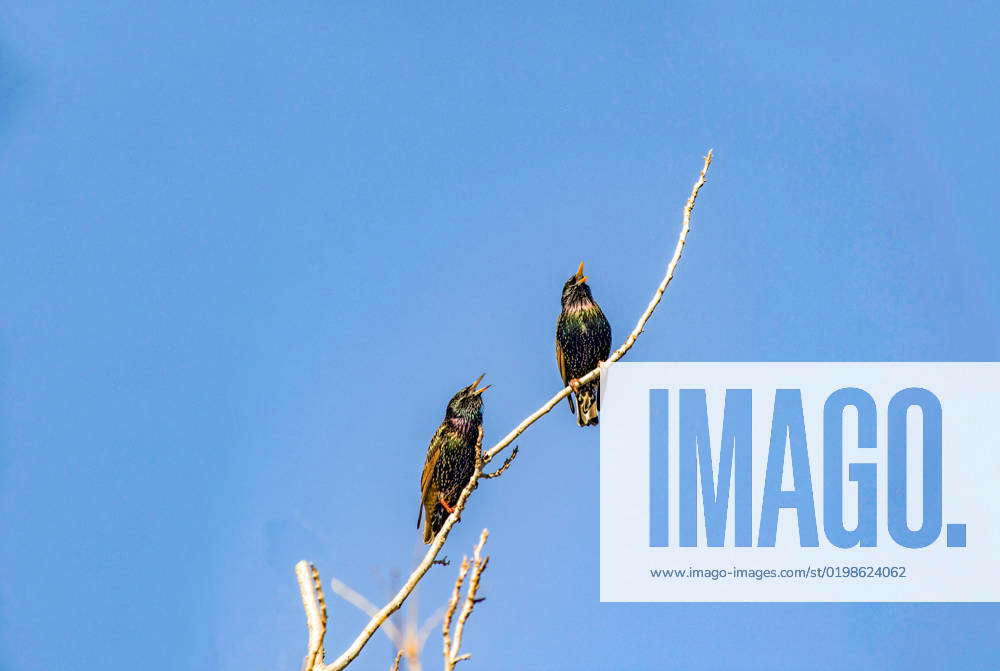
(583, 342)
(451, 458)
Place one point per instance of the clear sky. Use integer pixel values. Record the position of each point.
(249, 250)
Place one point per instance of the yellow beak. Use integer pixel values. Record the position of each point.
(476, 383)
(580, 277)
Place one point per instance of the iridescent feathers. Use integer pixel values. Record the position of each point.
(583, 341)
(451, 458)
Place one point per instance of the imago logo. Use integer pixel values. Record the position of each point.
(798, 481)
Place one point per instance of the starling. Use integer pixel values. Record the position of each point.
(451, 458)
(583, 342)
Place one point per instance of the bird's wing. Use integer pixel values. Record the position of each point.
(604, 347)
(561, 362)
(433, 454)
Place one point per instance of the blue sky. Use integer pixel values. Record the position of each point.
(249, 250)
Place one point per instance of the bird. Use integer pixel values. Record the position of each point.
(451, 458)
(583, 342)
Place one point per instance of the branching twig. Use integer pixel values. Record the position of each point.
(452, 647)
(484, 458)
(395, 662)
(627, 345)
(503, 467)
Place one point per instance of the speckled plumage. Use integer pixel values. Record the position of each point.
(451, 458)
(583, 340)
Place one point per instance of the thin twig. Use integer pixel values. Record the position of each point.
(395, 662)
(479, 563)
(503, 467)
(311, 590)
(484, 458)
(449, 612)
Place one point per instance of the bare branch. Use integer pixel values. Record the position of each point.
(362, 639)
(674, 260)
(483, 458)
(627, 345)
(503, 467)
(311, 590)
(451, 654)
(395, 662)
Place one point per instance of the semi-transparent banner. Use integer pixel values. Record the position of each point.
(800, 482)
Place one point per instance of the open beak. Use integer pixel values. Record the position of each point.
(475, 384)
(580, 277)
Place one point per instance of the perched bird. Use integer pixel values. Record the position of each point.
(583, 342)
(451, 458)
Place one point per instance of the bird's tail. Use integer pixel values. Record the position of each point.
(588, 401)
(433, 523)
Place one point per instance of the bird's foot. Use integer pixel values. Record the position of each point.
(575, 385)
(444, 504)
